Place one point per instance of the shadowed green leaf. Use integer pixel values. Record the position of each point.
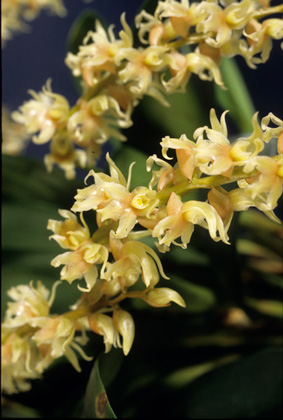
(96, 404)
(236, 98)
(250, 387)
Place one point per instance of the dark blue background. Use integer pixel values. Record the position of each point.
(28, 60)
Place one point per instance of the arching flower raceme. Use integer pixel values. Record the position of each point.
(31, 338)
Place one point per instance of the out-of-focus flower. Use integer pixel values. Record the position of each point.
(44, 114)
(14, 136)
(14, 16)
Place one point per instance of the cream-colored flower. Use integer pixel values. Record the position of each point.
(19, 357)
(103, 325)
(69, 234)
(111, 199)
(182, 66)
(65, 155)
(44, 114)
(241, 200)
(125, 325)
(163, 296)
(259, 37)
(269, 179)
(29, 302)
(97, 120)
(272, 127)
(14, 16)
(82, 263)
(97, 54)
(184, 153)
(132, 260)
(141, 66)
(54, 338)
(182, 15)
(216, 155)
(14, 136)
(220, 22)
(180, 221)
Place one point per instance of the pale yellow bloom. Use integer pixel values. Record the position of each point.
(259, 37)
(140, 67)
(97, 120)
(15, 14)
(241, 200)
(82, 263)
(163, 296)
(97, 54)
(269, 180)
(14, 136)
(19, 357)
(184, 152)
(103, 325)
(125, 325)
(64, 154)
(182, 66)
(220, 22)
(44, 114)
(182, 15)
(69, 234)
(133, 259)
(272, 131)
(54, 338)
(216, 155)
(112, 200)
(180, 221)
(29, 302)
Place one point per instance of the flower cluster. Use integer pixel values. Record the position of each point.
(179, 39)
(32, 338)
(114, 261)
(14, 136)
(15, 14)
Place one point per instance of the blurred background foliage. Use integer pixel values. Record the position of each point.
(221, 356)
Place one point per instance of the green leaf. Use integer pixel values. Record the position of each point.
(250, 387)
(198, 298)
(96, 404)
(272, 308)
(236, 98)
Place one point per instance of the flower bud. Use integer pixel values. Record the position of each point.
(163, 296)
(124, 323)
